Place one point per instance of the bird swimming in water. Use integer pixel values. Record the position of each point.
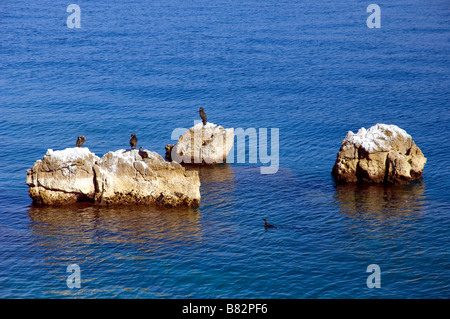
(266, 225)
(202, 115)
(80, 141)
(142, 153)
(133, 141)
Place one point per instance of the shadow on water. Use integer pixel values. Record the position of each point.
(381, 202)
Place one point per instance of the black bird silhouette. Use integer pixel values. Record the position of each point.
(133, 141)
(202, 115)
(266, 225)
(142, 153)
(80, 141)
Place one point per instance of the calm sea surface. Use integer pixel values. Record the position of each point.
(313, 69)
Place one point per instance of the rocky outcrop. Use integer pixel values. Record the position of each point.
(381, 154)
(120, 177)
(202, 144)
(123, 176)
(63, 177)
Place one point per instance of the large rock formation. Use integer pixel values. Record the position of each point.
(120, 177)
(202, 144)
(381, 154)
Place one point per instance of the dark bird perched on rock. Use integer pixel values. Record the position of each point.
(267, 225)
(169, 148)
(142, 153)
(202, 115)
(80, 141)
(133, 141)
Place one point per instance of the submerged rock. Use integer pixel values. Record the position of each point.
(120, 177)
(381, 154)
(202, 144)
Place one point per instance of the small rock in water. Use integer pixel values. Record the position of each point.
(381, 154)
(202, 144)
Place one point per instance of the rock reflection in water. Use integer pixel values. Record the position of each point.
(216, 184)
(380, 201)
(138, 242)
(83, 225)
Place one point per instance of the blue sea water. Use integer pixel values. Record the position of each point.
(312, 69)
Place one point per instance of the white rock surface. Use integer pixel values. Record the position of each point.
(68, 173)
(202, 144)
(378, 138)
(123, 176)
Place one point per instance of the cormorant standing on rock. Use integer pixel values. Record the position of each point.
(267, 225)
(142, 153)
(80, 141)
(202, 115)
(133, 141)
